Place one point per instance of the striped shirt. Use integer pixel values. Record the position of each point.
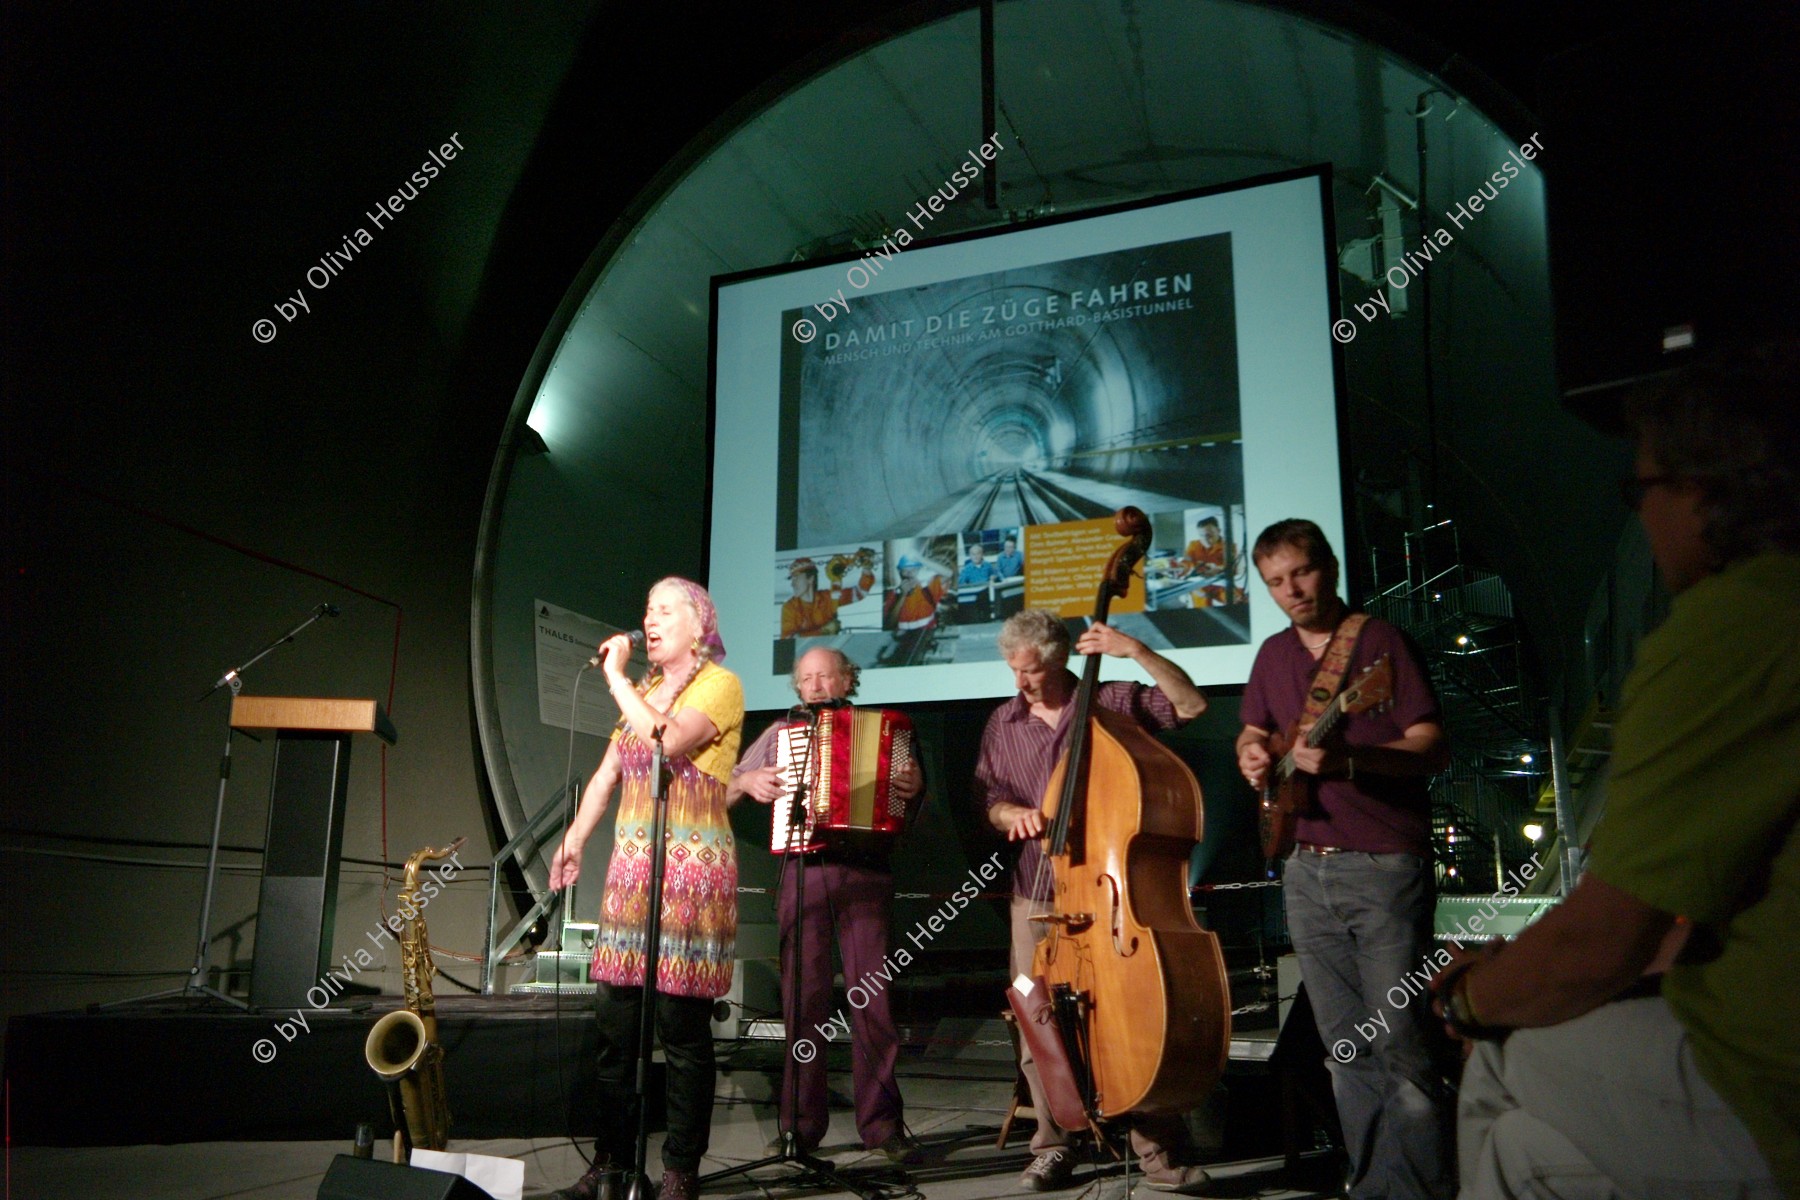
(1019, 751)
(762, 751)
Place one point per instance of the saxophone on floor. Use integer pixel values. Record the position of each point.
(403, 1047)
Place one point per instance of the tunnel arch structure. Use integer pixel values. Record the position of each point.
(1105, 102)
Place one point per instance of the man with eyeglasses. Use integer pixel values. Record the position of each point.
(1590, 1075)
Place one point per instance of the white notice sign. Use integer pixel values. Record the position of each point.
(565, 642)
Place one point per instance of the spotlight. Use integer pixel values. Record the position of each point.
(1462, 639)
(1527, 758)
(1533, 832)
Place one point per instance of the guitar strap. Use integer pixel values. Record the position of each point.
(1278, 810)
(1333, 665)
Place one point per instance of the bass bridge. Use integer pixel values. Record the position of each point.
(1070, 922)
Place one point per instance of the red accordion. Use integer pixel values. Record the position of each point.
(852, 758)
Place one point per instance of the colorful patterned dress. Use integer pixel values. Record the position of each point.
(699, 912)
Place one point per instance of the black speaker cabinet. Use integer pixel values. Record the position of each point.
(351, 1178)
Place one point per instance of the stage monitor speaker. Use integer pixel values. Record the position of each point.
(351, 1178)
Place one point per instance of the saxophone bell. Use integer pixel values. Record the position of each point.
(402, 1047)
(395, 1044)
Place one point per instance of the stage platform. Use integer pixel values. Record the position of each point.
(179, 1073)
(963, 1165)
(173, 1102)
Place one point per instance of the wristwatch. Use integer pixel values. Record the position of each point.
(1459, 1010)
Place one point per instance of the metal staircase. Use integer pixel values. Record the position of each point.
(564, 970)
(1461, 619)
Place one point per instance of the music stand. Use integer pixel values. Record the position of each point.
(809, 1168)
(196, 984)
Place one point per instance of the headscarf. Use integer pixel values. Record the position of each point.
(712, 646)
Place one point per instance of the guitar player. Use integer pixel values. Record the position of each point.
(1358, 885)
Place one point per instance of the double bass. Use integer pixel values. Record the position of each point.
(1137, 987)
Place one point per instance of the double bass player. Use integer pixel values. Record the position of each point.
(1020, 747)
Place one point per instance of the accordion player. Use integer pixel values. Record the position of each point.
(850, 759)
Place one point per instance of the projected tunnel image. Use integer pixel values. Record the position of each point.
(1019, 401)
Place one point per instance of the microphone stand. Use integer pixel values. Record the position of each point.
(196, 984)
(809, 1169)
(638, 1186)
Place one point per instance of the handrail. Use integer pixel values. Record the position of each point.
(528, 836)
(1564, 809)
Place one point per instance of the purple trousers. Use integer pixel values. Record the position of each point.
(849, 905)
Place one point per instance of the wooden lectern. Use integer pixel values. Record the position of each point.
(306, 834)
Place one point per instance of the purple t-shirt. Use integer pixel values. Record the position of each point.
(1377, 814)
(1018, 753)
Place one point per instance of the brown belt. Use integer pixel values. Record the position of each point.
(1312, 849)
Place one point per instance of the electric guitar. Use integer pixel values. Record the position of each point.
(1287, 792)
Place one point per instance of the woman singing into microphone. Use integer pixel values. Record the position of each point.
(700, 707)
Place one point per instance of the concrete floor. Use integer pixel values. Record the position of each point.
(954, 1109)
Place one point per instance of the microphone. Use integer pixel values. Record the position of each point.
(326, 610)
(636, 637)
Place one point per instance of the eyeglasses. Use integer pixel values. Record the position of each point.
(1633, 489)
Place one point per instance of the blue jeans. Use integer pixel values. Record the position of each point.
(1361, 925)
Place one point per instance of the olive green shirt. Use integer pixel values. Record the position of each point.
(1700, 814)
